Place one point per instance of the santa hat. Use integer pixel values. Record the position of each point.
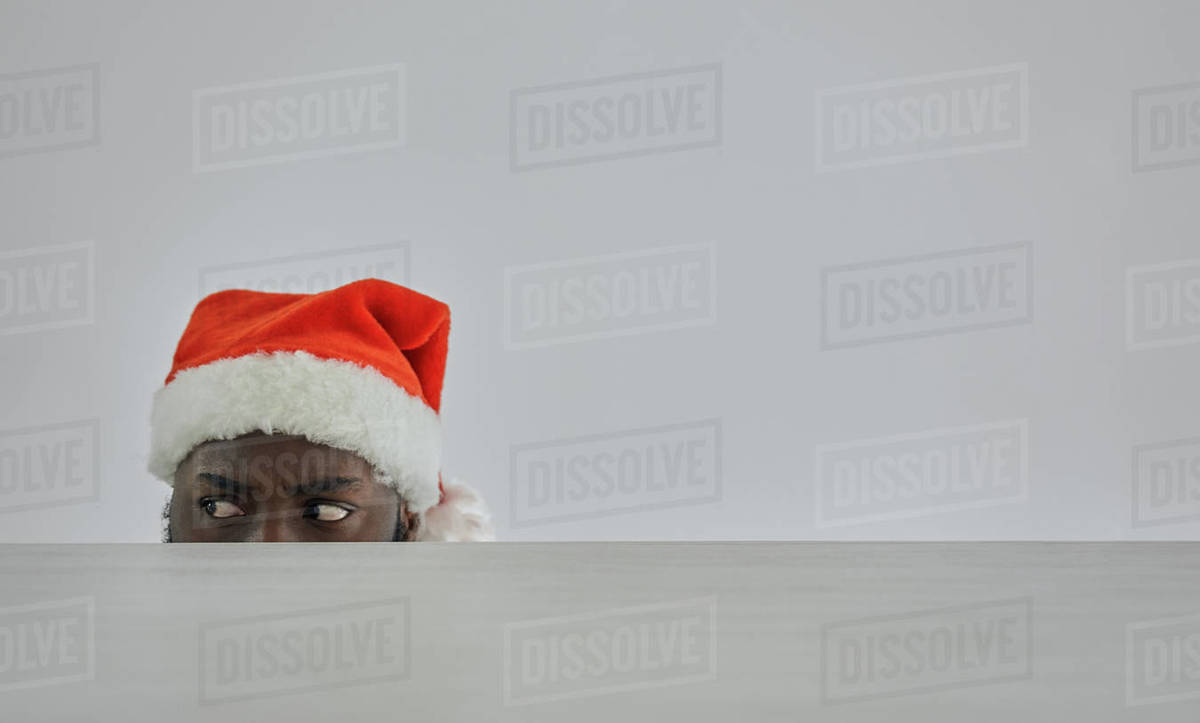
(358, 367)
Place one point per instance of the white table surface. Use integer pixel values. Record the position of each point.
(771, 605)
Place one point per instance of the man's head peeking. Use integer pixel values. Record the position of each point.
(310, 417)
(283, 488)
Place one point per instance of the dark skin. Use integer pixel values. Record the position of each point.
(275, 488)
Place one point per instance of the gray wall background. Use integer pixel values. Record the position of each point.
(1093, 397)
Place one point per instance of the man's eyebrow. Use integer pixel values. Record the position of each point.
(329, 485)
(222, 483)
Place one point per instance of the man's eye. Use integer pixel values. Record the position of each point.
(221, 509)
(326, 512)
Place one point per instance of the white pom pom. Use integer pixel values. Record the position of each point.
(461, 516)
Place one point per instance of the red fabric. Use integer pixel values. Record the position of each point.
(397, 331)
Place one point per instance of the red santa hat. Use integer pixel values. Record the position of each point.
(358, 367)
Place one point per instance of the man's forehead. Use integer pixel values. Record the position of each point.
(273, 449)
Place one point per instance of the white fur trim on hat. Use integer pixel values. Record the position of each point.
(461, 516)
(331, 402)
